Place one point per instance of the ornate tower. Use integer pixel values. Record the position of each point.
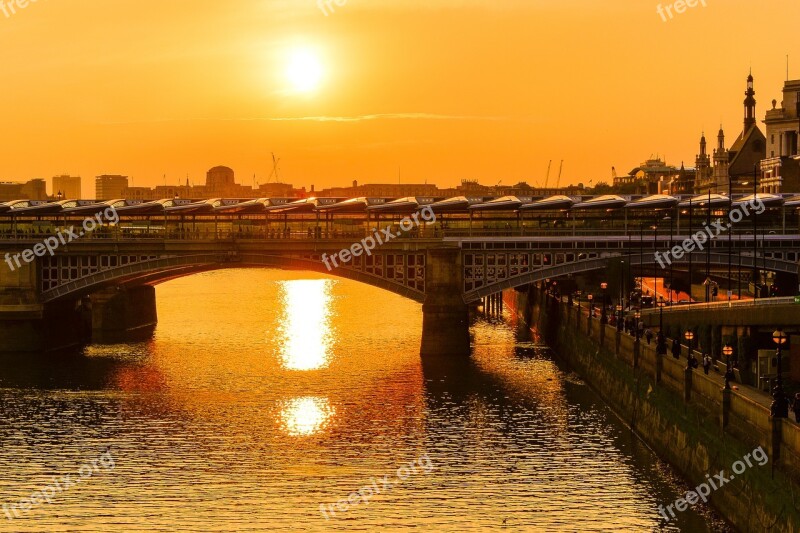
(703, 164)
(720, 163)
(749, 106)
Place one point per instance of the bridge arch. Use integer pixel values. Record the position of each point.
(598, 263)
(153, 271)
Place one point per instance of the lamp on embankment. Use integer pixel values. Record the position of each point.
(727, 351)
(780, 405)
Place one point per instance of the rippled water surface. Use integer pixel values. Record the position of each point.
(264, 398)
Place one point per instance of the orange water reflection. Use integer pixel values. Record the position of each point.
(305, 416)
(306, 337)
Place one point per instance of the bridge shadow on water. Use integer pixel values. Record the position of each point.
(72, 368)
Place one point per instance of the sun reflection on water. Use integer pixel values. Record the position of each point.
(307, 336)
(305, 416)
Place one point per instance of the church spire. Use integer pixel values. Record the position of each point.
(749, 105)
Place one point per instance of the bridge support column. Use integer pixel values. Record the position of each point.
(118, 314)
(26, 324)
(445, 316)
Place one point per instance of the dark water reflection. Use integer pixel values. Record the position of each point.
(264, 395)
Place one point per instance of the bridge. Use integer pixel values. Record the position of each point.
(101, 283)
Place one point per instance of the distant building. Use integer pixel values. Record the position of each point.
(110, 187)
(469, 188)
(277, 190)
(523, 189)
(35, 189)
(381, 190)
(220, 179)
(220, 183)
(653, 176)
(622, 182)
(10, 191)
(68, 186)
(138, 193)
(780, 171)
(683, 183)
(735, 165)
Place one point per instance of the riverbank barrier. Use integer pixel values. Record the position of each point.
(688, 418)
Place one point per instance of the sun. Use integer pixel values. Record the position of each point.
(304, 70)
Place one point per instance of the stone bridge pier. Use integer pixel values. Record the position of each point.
(122, 313)
(29, 325)
(445, 316)
(26, 324)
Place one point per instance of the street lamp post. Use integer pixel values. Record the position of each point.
(728, 351)
(755, 234)
(730, 235)
(670, 264)
(780, 405)
(708, 251)
(690, 253)
(689, 335)
(661, 343)
(603, 316)
(622, 283)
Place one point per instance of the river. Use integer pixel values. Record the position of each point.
(265, 397)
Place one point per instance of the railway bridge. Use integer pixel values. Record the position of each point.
(112, 279)
(100, 284)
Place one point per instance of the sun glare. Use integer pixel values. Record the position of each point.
(304, 71)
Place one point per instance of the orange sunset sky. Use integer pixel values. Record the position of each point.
(444, 90)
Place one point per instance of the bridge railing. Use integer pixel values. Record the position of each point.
(24, 237)
(631, 239)
(758, 302)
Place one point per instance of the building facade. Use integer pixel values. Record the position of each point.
(68, 187)
(780, 171)
(653, 176)
(35, 189)
(110, 187)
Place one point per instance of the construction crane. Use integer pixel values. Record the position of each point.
(559, 173)
(547, 178)
(274, 168)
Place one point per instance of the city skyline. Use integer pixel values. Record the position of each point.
(146, 109)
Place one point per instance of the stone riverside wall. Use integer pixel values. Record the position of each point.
(685, 417)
